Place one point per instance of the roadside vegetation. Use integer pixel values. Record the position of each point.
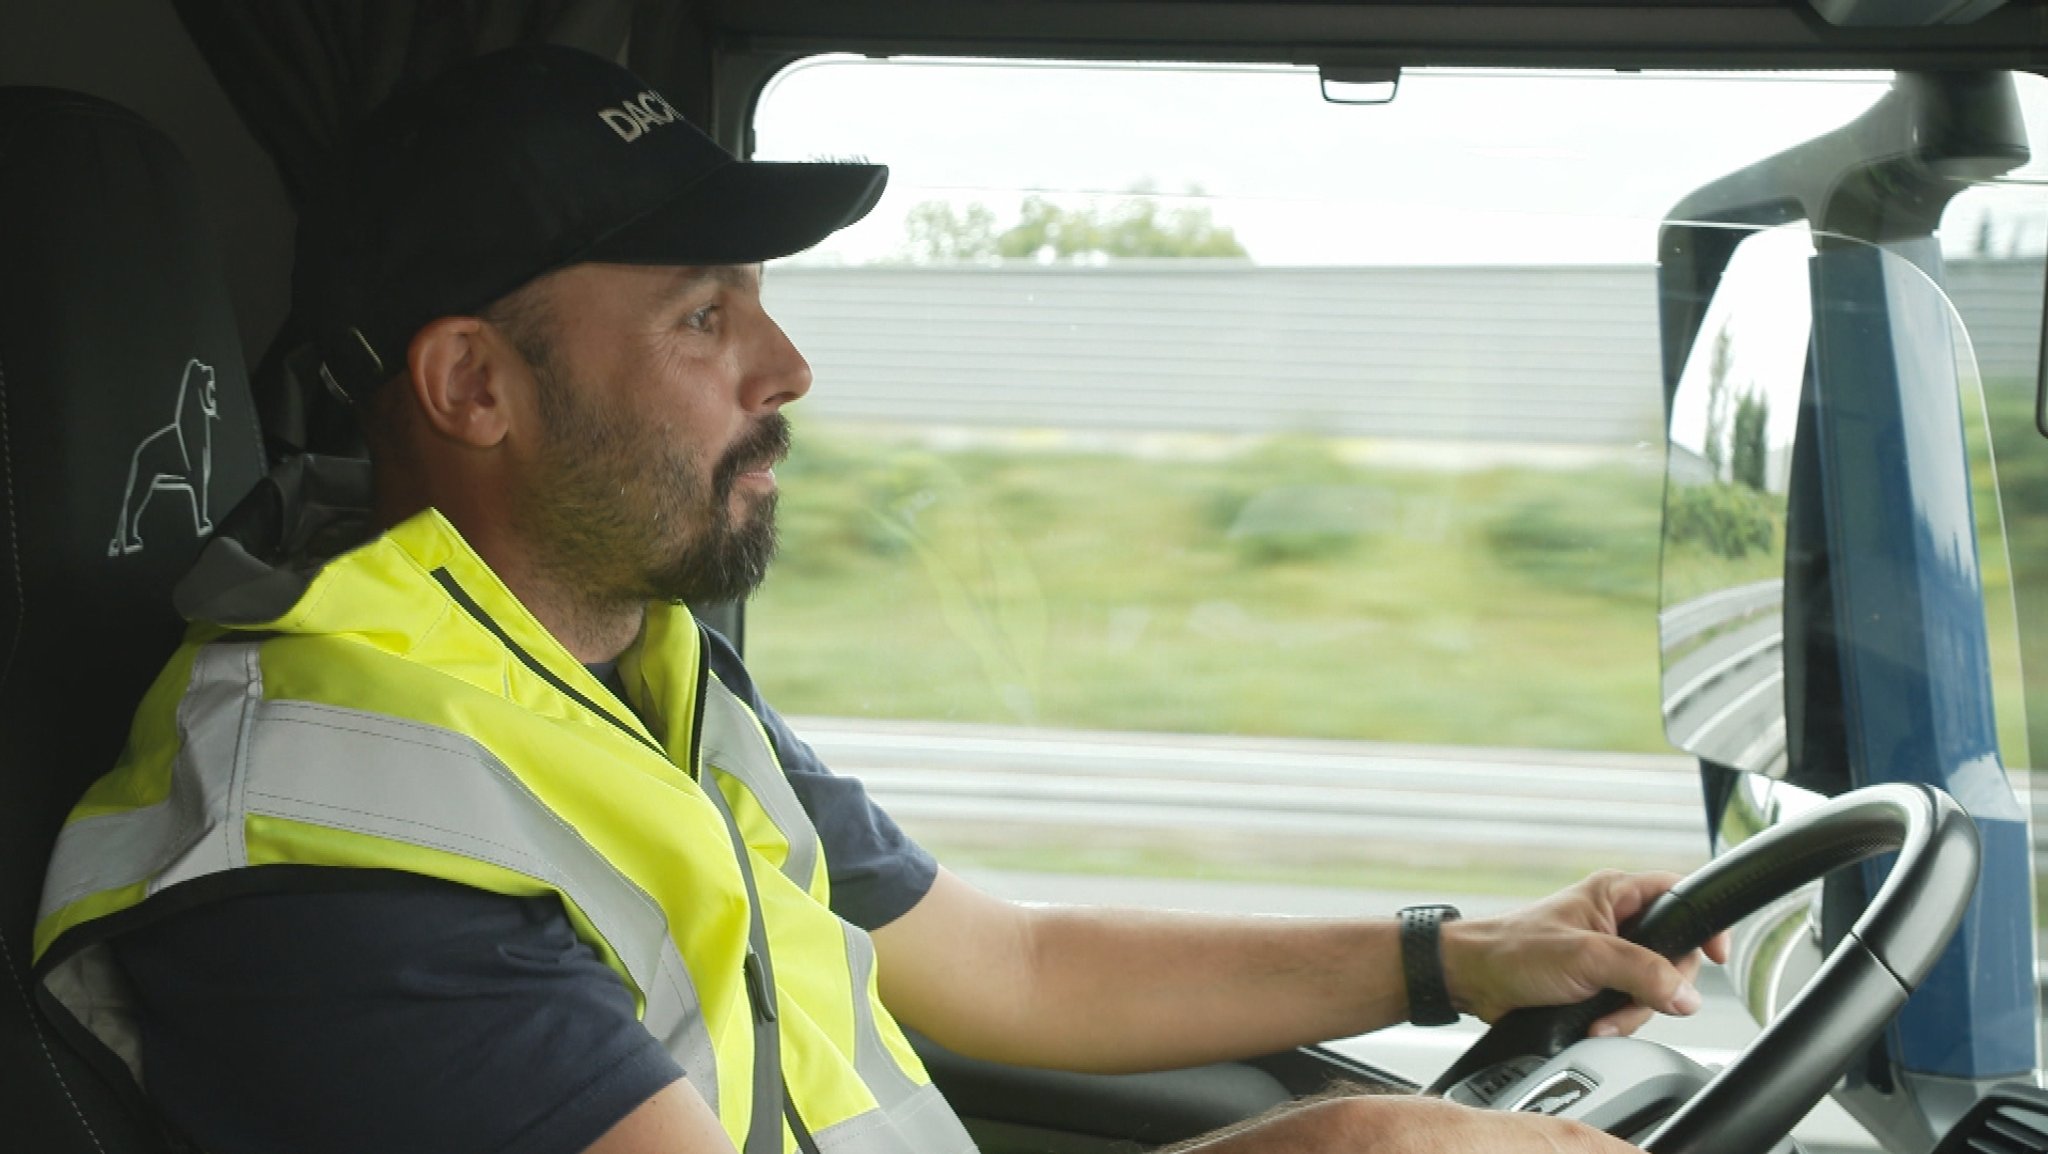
(1277, 589)
(2021, 460)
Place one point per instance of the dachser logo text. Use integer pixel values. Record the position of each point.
(635, 117)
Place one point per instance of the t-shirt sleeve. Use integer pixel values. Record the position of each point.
(414, 1015)
(877, 872)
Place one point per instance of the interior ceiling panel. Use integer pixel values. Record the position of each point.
(1670, 33)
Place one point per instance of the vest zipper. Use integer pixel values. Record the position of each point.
(469, 605)
(695, 767)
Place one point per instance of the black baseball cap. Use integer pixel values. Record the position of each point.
(518, 163)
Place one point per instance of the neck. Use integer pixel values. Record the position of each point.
(590, 627)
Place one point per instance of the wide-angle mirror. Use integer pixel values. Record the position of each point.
(1732, 421)
(1767, 370)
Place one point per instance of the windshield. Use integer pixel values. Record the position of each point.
(1210, 486)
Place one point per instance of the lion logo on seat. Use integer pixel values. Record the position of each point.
(177, 458)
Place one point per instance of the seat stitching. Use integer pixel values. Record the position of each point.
(42, 1043)
(6, 674)
(13, 535)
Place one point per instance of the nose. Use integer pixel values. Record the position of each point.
(781, 374)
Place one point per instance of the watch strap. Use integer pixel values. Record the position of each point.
(1422, 964)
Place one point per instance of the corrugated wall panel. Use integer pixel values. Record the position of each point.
(2000, 303)
(1558, 354)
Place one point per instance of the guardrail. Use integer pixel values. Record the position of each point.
(1724, 672)
(1592, 804)
(1689, 619)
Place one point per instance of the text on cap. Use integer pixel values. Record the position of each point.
(634, 117)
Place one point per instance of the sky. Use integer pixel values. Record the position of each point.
(1763, 306)
(1461, 167)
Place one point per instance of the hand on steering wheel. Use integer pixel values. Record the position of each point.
(1565, 949)
(1541, 1059)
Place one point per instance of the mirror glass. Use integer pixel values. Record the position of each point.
(1729, 456)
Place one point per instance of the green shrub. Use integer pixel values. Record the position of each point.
(1730, 521)
(1291, 500)
(1593, 533)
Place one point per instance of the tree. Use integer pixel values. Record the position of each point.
(1749, 450)
(938, 235)
(1715, 447)
(1133, 227)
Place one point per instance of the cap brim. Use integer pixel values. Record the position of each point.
(746, 212)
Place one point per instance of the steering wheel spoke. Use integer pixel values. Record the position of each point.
(1620, 1085)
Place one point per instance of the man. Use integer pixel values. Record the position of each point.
(449, 829)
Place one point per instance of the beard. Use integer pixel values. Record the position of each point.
(621, 511)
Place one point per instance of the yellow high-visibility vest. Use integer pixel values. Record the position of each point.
(397, 708)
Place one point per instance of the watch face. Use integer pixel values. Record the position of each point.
(1557, 1095)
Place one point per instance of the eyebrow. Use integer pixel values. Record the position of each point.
(730, 275)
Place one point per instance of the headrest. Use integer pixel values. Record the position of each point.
(126, 433)
(128, 427)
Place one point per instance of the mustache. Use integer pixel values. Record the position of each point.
(760, 447)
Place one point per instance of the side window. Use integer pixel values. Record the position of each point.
(1208, 486)
(1995, 248)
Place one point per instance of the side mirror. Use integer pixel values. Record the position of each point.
(1732, 421)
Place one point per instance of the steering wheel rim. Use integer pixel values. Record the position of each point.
(1789, 1066)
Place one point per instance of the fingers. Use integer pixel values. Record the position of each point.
(1717, 948)
(1630, 894)
(1620, 1023)
(1637, 1015)
(1689, 965)
(1649, 978)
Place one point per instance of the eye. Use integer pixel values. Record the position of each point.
(702, 320)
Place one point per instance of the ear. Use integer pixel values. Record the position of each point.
(463, 377)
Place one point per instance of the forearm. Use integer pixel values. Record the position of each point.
(1126, 990)
(1146, 991)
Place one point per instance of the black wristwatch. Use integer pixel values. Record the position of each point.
(1422, 964)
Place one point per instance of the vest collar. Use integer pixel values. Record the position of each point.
(297, 556)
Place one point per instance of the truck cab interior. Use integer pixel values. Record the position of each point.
(1842, 616)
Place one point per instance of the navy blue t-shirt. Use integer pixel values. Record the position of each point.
(405, 1014)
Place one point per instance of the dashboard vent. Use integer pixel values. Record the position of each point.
(2012, 1119)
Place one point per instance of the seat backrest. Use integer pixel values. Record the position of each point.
(126, 432)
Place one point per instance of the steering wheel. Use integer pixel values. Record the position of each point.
(1541, 1060)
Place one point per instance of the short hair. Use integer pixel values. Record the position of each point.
(526, 319)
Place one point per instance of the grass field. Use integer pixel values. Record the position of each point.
(1277, 590)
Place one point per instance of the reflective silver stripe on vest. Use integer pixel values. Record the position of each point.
(184, 832)
(735, 744)
(914, 1117)
(379, 776)
(919, 1117)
